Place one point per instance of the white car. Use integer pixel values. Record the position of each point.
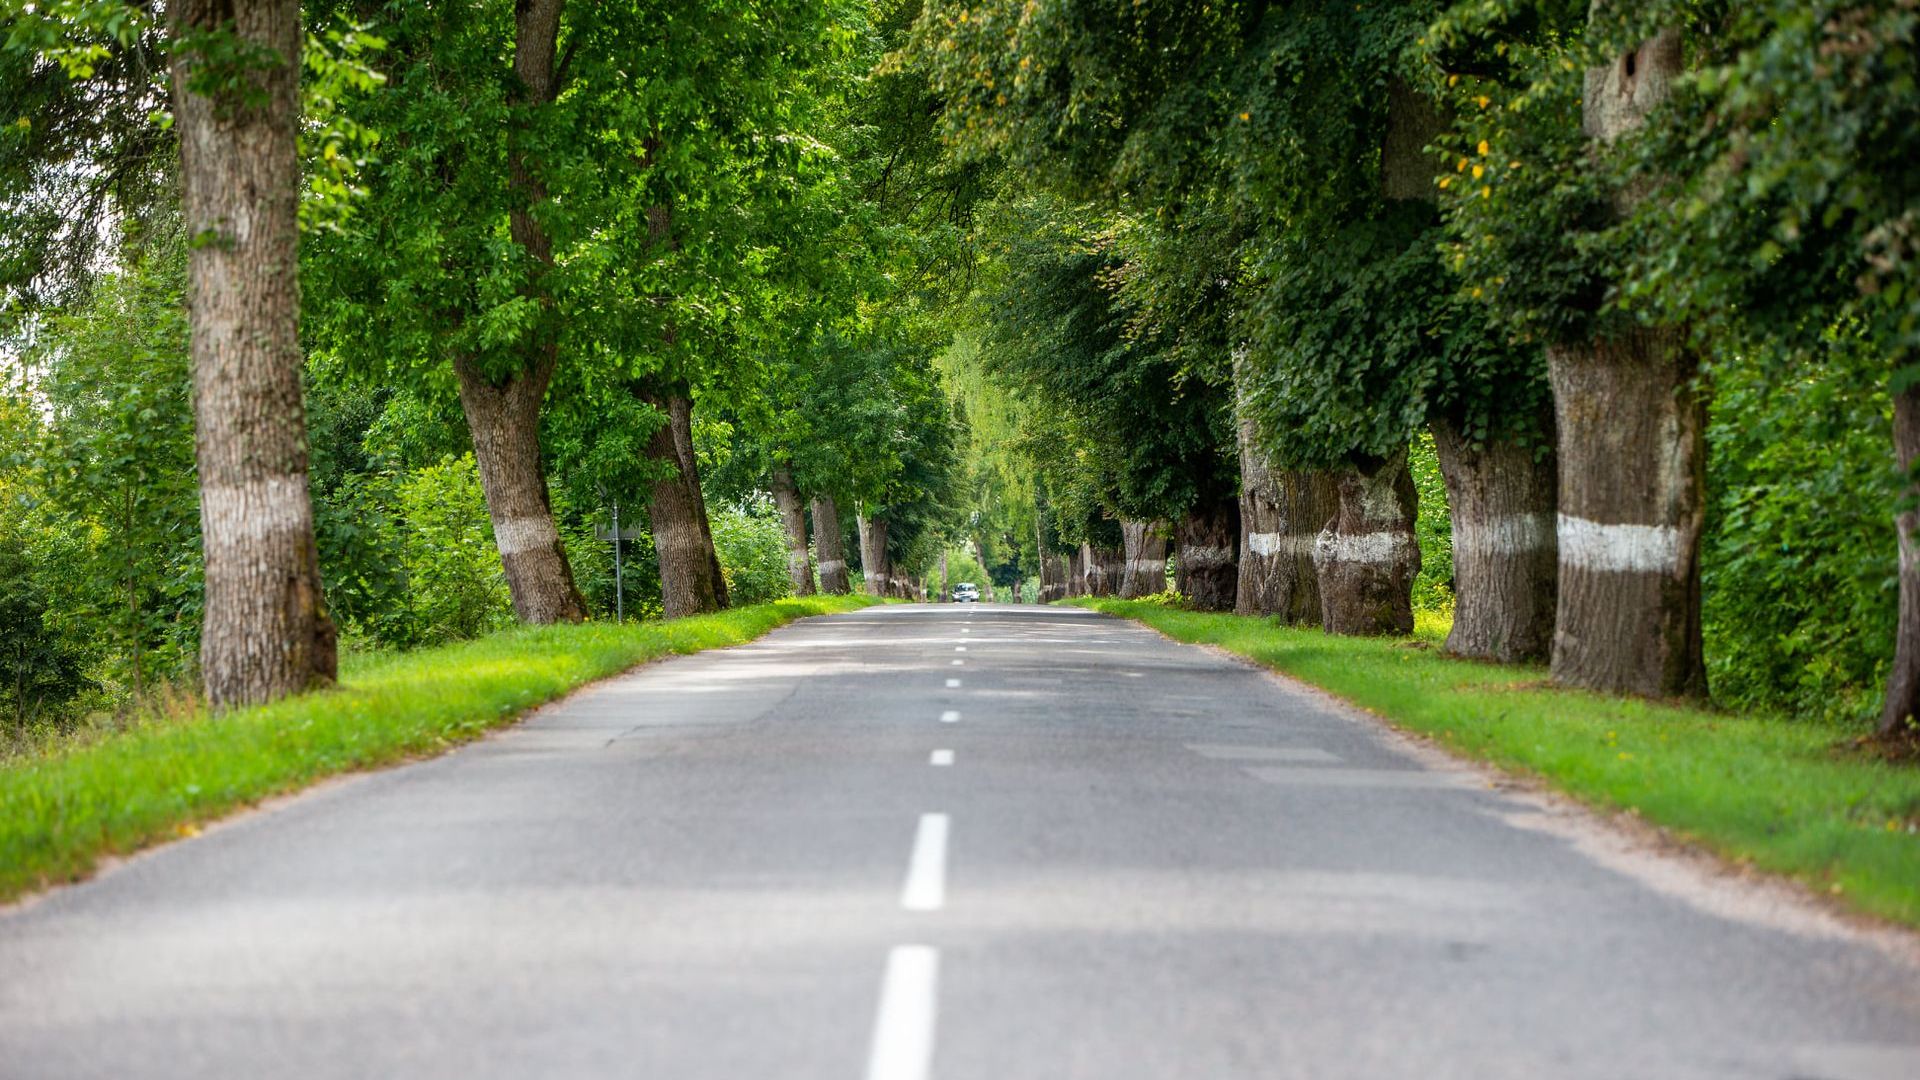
(966, 593)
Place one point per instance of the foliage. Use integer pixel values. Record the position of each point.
(116, 455)
(62, 813)
(752, 546)
(1799, 566)
(1433, 529)
(454, 579)
(1770, 794)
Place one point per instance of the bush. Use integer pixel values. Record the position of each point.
(1800, 559)
(455, 586)
(753, 550)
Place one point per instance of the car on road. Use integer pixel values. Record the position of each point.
(966, 593)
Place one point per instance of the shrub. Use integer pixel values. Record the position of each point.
(753, 550)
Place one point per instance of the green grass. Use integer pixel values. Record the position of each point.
(1788, 797)
(61, 813)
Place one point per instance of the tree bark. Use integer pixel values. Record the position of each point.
(1205, 543)
(1632, 462)
(504, 420)
(1505, 558)
(1145, 568)
(1367, 557)
(1077, 571)
(1281, 515)
(793, 516)
(1903, 682)
(265, 630)
(504, 415)
(690, 578)
(1105, 567)
(830, 546)
(1632, 431)
(873, 555)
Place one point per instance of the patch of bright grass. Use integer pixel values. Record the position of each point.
(1787, 796)
(60, 814)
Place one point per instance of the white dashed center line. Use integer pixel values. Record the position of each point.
(903, 1026)
(926, 887)
(950, 716)
(940, 757)
(953, 684)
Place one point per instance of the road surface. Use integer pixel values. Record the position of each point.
(969, 842)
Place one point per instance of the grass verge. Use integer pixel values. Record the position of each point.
(62, 813)
(1781, 795)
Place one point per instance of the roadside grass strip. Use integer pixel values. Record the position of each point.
(60, 814)
(1786, 796)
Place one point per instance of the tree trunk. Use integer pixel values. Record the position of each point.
(1632, 462)
(1367, 557)
(793, 516)
(265, 630)
(1632, 508)
(1054, 572)
(873, 555)
(1505, 558)
(1281, 514)
(1077, 571)
(504, 420)
(690, 577)
(830, 546)
(1145, 569)
(504, 415)
(1204, 546)
(1105, 567)
(1903, 682)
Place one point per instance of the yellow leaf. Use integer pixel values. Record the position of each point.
(1484, 100)
(1486, 193)
(1483, 148)
(1477, 170)
(1453, 80)
(1246, 116)
(1445, 182)
(1462, 166)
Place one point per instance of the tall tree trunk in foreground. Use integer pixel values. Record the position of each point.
(1367, 557)
(832, 549)
(1144, 570)
(504, 414)
(1281, 514)
(873, 554)
(1632, 510)
(1903, 682)
(1205, 543)
(1506, 562)
(1632, 463)
(793, 517)
(265, 631)
(690, 577)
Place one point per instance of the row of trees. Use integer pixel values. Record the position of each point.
(593, 254)
(1256, 249)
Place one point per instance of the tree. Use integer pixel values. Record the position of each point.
(1779, 205)
(235, 92)
(1536, 215)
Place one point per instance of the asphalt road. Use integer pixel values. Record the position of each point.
(977, 843)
